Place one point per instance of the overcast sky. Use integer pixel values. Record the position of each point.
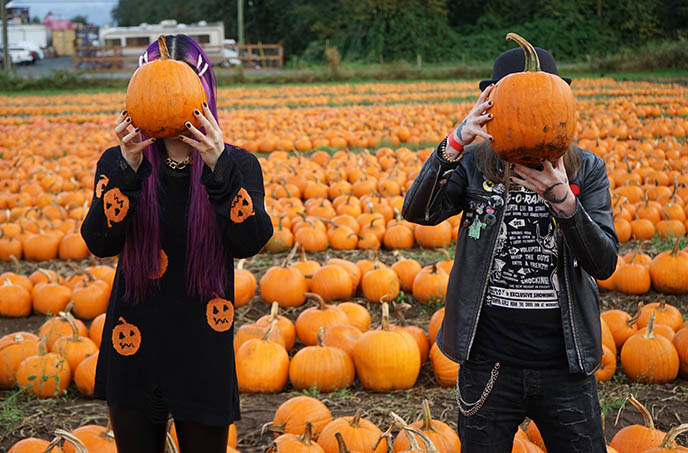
(96, 11)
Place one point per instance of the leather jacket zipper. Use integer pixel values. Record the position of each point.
(433, 195)
(485, 281)
(570, 302)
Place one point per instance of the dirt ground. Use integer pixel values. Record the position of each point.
(22, 416)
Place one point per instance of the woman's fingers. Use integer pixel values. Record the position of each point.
(205, 122)
(485, 93)
(189, 141)
(200, 136)
(127, 139)
(121, 128)
(141, 146)
(209, 115)
(482, 119)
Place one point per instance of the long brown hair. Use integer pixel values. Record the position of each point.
(496, 169)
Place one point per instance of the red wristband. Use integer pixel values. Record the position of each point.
(453, 143)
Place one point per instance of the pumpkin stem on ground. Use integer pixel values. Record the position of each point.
(647, 418)
(532, 60)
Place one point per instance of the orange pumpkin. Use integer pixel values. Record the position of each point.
(534, 101)
(293, 414)
(358, 433)
(646, 357)
(152, 87)
(442, 435)
(291, 443)
(637, 438)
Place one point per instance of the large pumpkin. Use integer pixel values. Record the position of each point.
(163, 94)
(534, 115)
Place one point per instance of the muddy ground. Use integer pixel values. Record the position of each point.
(22, 416)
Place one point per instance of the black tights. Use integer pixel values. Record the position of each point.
(136, 433)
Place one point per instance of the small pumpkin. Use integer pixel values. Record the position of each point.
(637, 438)
(261, 365)
(669, 271)
(45, 374)
(74, 348)
(668, 444)
(283, 284)
(359, 433)
(284, 324)
(325, 368)
(439, 433)
(291, 443)
(85, 374)
(312, 319)
(14, 348)
(293, 414)
(650, 358)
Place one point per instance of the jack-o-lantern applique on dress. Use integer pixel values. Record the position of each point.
(126, 338)
(241, 207)
(115, 205)
(220, 314)
(101, 185)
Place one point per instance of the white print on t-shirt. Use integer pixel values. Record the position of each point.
(523, 273)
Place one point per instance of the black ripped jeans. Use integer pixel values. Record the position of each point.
(564, 406)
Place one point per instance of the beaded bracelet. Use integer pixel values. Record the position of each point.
(443, 152)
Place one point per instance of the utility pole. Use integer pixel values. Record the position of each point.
(240, 20)
(5, 40)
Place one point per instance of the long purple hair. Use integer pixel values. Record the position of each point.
(206, 261)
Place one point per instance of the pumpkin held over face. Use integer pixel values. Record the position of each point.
(242, 207)
(126, 338)
(220, 314)
(534, 113)
(163, 94)
(115, 205)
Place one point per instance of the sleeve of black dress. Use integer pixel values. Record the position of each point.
(116, 193)
(235, 189)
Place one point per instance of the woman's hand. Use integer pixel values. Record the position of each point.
(210, 145)
(130, 141)
(472, 125)
(551, 183)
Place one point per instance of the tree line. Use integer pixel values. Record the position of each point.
(448, 31)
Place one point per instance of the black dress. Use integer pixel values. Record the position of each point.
(167, 354)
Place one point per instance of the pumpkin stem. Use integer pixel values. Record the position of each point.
(670, 438)
(635, 317)
(674, 251)
(427, 417)
(274, 311)
(72, 323)
(647, 418)
(291, 254)
(303, 254)
(17, 264)
(321, 333)
(41, 346)
(385, 315)
(171, 446)
(446, 254)
(53, 443)
(650, 327)
(308, 433)
(240, 264)
(532, 61)
(164, 52)
(273, 324)
(78, 444)
(340, 443)
(318, 298)
(356, 420)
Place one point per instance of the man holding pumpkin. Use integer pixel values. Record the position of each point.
(522, 315)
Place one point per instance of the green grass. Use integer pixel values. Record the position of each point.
(11, 411)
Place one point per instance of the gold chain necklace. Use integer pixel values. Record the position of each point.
(174, 165)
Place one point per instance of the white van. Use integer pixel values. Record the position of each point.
(230, 54)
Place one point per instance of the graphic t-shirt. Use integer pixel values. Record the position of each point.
(520, 321)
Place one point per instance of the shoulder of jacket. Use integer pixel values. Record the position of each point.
(590, 161)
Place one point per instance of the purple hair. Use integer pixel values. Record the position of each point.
(206, 261)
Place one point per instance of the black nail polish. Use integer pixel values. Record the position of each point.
(489, 102)
(124, 112)
(205, 104)
(491, 139)
(137, 130)
(153, 140)
(128, 120)
(197, 112)
(187, 124)
(181, 137)
(489, 115)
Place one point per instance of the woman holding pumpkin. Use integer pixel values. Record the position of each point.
(177, 210)
(521, 313)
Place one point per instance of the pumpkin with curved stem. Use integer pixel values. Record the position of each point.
(534, 113)
(152, 87)
(442, 435)
(291, 443)
(638, 438)
(621, 324)
(649, 358)
(284, 324)
(261, 365)
(306, 267)
(430, 285)
(256, 331)
(58, 326)
(74, 348)
(664, 314)
(283, 284)
(94, 438)
(668, 444)
(358, 433)
(325, 368)
(35, 445)
(387, 359)
(292, 415)
(50, 298)
(312, 319)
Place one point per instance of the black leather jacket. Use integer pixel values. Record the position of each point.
(586, 241)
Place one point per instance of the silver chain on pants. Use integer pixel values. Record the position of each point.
(473, 408)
